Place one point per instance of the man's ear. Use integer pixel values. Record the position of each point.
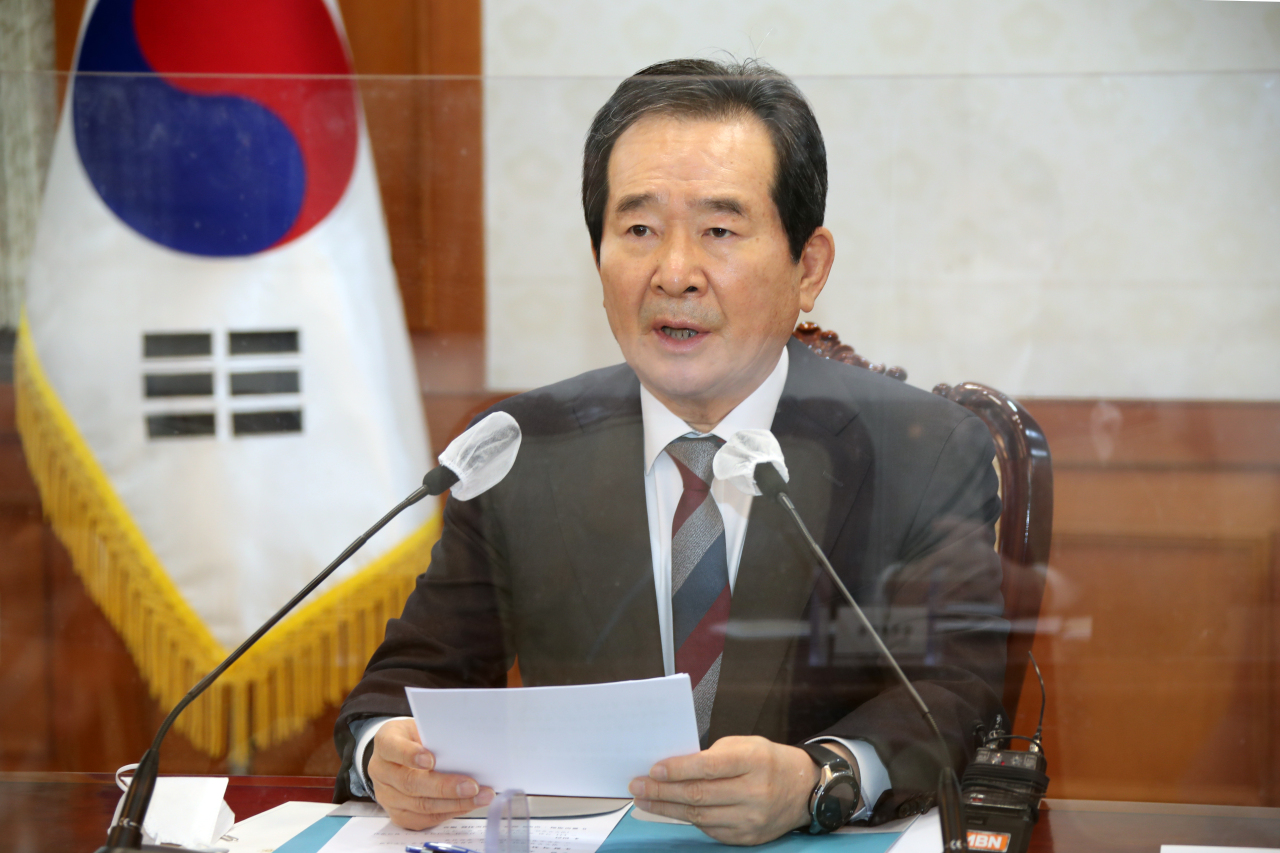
(815, 265)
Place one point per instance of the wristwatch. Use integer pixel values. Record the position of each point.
(835, 798)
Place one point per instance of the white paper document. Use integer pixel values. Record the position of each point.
(586, 740)
(556, 835)
(266, 831)
(924, 835)
(186, 810)
(540, 806)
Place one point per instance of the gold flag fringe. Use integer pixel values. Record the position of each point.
(302, 666)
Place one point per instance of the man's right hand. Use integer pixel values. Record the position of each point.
(405, 783)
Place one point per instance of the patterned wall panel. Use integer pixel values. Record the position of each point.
(1058, 199)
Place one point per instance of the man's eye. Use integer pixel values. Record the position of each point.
(719, 232)
(639, 230)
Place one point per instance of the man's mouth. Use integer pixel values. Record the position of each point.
(678, 333)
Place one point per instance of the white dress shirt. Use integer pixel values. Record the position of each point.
(662, 490)
(663, 486)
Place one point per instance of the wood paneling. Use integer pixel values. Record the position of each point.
(25, 660)
(25, 665)
(382, 45)
(1162, 693)
(66, 31)
(1159, 636)
(427, 134)
(1127, 434)
(426, 126)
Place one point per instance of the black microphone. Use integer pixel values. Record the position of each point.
(473, 463)
(740, 466)
(439, 479)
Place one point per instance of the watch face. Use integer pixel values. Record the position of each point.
(836, 803)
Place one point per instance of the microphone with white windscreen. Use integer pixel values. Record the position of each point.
(473, 463)
(477, 460)
(752, 461)
(736, 460)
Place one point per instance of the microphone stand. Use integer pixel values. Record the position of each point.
(126, 833)
(953, 834)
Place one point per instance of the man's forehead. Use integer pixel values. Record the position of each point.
(722, 162)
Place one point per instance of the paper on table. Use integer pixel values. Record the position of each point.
(266, 831)
(922, 836)
(186, 810)
(585, 740)
(557, 835)
(540, 806)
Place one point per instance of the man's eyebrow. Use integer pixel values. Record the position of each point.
(635, 201)
(723, 205)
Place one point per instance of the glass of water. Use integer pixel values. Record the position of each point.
(506, 827)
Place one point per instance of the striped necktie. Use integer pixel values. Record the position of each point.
(699, 576)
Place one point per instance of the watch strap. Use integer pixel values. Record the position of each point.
(825, 756)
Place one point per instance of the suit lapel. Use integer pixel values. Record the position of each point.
(777, 573)
(603, 518)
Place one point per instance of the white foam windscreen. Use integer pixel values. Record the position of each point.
(482, 455)
(736, 461)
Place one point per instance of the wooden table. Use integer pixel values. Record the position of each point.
(68, 813)
(1082, 826)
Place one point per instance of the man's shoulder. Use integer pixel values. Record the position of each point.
(918, 441)
(907, 429)
(872, 397)
(574, 403)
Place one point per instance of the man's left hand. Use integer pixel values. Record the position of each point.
(743, 790)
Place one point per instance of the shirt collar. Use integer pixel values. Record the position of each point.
(661, 427)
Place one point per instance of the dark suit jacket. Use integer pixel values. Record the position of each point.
(553, 565)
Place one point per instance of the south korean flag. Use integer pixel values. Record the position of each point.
(215, 382)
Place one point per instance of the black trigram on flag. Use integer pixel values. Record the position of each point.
(251, 386)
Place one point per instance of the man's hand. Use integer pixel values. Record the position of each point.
(743, 790)
(406, 785)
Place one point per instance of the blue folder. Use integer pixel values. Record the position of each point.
(633, 836)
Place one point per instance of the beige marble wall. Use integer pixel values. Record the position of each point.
(28, 101)
(1058, 198)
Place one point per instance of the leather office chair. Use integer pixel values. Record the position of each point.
(1026, 492)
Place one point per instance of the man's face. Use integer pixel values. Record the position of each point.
(699, 285)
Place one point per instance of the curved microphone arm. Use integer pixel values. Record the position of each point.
(772, 485)
(475, 461)
(785, 500)
(126, 833)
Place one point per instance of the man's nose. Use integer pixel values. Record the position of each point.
(679, 269)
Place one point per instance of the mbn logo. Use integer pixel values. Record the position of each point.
(980, 840)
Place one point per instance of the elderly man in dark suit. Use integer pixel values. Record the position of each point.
(611, 552)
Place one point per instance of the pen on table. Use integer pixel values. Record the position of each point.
(437, 847)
